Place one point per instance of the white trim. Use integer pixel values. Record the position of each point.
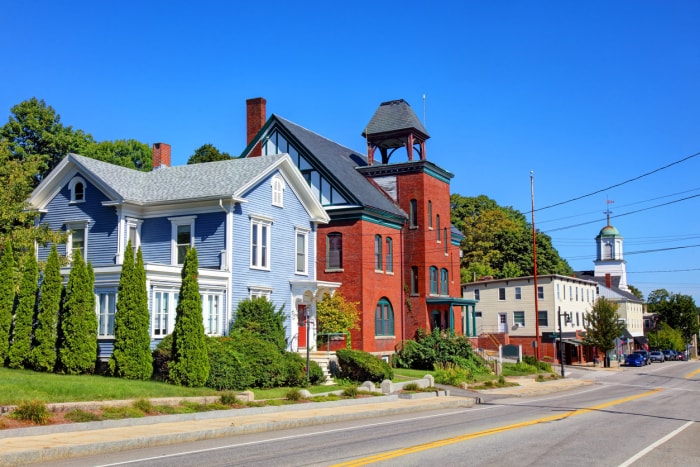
(304, 233)
(176, 222)
(259, 254)
(71, 186)
(260, 291)
(77, 225)
(278, 187)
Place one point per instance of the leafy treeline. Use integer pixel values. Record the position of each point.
(676, 311)
(498, 241)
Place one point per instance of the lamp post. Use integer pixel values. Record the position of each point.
(567, 320)
(308, 343)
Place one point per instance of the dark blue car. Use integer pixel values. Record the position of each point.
(634, 359)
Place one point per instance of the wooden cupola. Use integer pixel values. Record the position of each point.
(394, 125)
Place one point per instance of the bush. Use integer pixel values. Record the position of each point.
(228, 398)
(350, 392)
(81, 416)
(267, 364)
(228, 370)
(451, 374)
(259, 316)
(32, 411)
(295, 370)
(541, 366)
(357, 365)
(144, 405)
(161, 358)
(316, 375)
(293, 395)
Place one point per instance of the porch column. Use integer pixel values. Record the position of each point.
(474, 320)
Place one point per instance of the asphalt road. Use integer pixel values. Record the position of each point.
(639, 416)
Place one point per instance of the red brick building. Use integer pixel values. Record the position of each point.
(390, 242)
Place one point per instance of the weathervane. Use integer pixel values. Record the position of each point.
(607, 212)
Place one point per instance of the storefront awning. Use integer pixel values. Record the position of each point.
(641, 340)
(575, 342)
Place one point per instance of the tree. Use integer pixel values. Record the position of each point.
(43, 354)
(337, 314)
(259, 317)
(21, 343)
(665, 337)
(603, 325)
(677, 310)
(635, 291)
(7, 298)
(124, 152)
(190, 361)
(208, 153)
(131, 358)
(78, 347)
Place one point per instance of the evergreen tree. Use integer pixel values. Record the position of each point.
(43, 354)
(190, 361)
(21, 343)
(78, 350)
(7, 299)
(131, 358)
(259, 317)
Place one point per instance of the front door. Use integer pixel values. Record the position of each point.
(301, 319)
(503, 322)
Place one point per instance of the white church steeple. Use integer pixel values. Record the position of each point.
(609, 258)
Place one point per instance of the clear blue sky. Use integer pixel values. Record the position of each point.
(587, 94)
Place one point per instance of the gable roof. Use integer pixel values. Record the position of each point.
(615, 291)
(210, 180)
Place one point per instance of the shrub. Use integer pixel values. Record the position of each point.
(258, 316)
(295, 369)
(43, 354)
(228, 398)
(316, 375)
(293, 395)
(350, 392)
(451, 374)
(357, 365)
(7, 298)
(161, 358)
(144, 405)
(32, 411)
(411, 387)
(81, 416)
(229, 370)
(501, 380)
(21, 342)
(268, 369)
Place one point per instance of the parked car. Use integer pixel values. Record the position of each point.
(681, 356)
(645, 355)
(634, 359)
(670, 354)
(657, 356)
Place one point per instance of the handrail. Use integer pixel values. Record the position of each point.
(329, 334)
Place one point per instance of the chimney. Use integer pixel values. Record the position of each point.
(608, 281)
(256, 115)
(161, 155)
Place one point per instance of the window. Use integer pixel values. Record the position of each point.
(389, 255)
(578, 322)
(437, 227)
(164, 310)
(577, 294)
(260, 243)
(414, 280)
(334, 251)
(77, 239)
(501, 293)
(543, 318)
(77, 190)
(444, 287)
(413, 214)
(540, 292)
(477, 295)
(133, 233)
(445, 237)
(277, 191)
(377, 252)
(211, 312)
(258, 292)
(105, 307)
(433, 280)
(302, 242)
(571, 293)
(430, 215)
(519, 318)
(518, 293)
(558, 294)
(182, 237)
(384, 318)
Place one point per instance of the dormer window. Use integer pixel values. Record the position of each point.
(77, 190)
(277, 191)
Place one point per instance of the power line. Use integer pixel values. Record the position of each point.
(663, 270)
(639, 252)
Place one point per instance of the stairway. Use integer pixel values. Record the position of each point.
(324, 360)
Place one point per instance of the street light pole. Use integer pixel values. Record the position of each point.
(567, 319)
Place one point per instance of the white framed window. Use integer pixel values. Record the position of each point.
(211, 312)
(77, 188)
(260, 291)
(164, 311)
(260, 243)
(519, 318)
(105, 307)
(182, 238)
(302, 251)
(518, 293)
(77, 239)
(277, 191)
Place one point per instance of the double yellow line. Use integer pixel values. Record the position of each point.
(479, 434)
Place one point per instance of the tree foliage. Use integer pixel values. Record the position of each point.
(665, 337)
(124, 152)
(78, 344)
(131, 358)
(677, 310)
(603, 325)
(43, 354)
(21, 343)
(208, 153)
(498, 241)
(190, 361)
(336, 314)
(258, 316)
(7, 298)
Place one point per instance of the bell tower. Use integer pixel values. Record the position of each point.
(394, 125)
(609, 259)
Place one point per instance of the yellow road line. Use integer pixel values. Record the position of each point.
(692, 373)
(457, 439)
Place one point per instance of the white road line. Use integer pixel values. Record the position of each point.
(644, 452)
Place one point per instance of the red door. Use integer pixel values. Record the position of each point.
(301, 319)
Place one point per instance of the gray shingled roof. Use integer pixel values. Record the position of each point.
(340, 163)
(186, 182)
(392, 116)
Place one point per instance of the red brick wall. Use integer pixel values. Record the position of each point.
(256, 115)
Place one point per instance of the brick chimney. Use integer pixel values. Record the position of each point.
(608, 280)
(256, 115)
(161, 155)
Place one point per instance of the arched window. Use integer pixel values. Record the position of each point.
(334, 250)
(377, 252)
(433, 280)
(413, 215)
(444, 282)
(414, 280)
(277, 191)
(384, 318)
(389, 255)
(77, 190)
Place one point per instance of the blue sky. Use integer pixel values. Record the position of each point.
(587, 94)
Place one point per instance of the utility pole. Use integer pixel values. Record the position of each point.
(534, 268)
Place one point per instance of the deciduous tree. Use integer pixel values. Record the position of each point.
(337, 314)
(603, 325)
(208, 153)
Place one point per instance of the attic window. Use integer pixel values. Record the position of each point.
(277, 191)
(77, 190)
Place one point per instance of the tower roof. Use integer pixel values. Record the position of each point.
(392, 117)
(609, 231)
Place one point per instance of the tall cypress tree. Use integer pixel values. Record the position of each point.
(43, 354)
(7, 299)
(190, 361)
(131, 358)
(78, 351)
(21, 344)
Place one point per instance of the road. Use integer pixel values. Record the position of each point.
(640, 416)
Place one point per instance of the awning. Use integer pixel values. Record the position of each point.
(641, 340)
(575, 342)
